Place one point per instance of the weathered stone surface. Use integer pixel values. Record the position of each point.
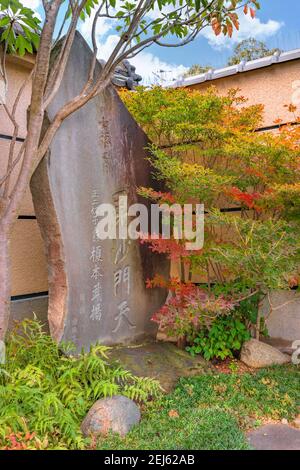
(161, 361)
(284, 321)
(97, 289)
(275, 437)
(257, 354)
(117, 414)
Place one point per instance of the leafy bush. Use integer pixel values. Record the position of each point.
(221, 340)
(46, 392)
(248, 309)
(188, 309)
(205, 152)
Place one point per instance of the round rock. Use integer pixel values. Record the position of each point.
(257, 354)
(117, 414)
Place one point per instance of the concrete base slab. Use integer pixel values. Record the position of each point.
(275, 437)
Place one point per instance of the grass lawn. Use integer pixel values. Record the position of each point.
(213, 411)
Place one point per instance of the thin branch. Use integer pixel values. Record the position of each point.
(12, 116)
(13, 164)
(61, 30)
(58, 70)
(95, 49)
(36, 115)
(247, 296)
(278, 307)
(68, 109)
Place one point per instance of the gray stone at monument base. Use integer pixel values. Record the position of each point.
(97, 288)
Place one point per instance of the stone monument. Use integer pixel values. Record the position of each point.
(97, 289)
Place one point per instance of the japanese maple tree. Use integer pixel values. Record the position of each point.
(206, 150)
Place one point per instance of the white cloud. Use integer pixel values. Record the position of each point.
(105, 48)
(33, 4)
(103, 26)
(147, 64)
(156, 12)
(150, 67)
(248, 28)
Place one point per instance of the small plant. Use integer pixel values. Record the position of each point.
(46, 392)
(188, 309)
(21, 441)
(224, 338)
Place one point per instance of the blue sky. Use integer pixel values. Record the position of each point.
(277, 23)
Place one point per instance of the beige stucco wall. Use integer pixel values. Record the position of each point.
(271, 86)
(29, 268)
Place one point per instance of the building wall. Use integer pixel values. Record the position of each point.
(29, 268)
(271, 86)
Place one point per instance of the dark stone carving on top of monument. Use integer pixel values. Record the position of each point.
(97, 287)
(125, 75)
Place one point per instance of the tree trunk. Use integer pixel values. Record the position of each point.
(181, 342)
(257, 328)
(4, 283)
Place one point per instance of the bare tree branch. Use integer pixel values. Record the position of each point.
(12, 116)
(58, 69)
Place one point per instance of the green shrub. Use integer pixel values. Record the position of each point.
(46, 392)
(225, 336)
